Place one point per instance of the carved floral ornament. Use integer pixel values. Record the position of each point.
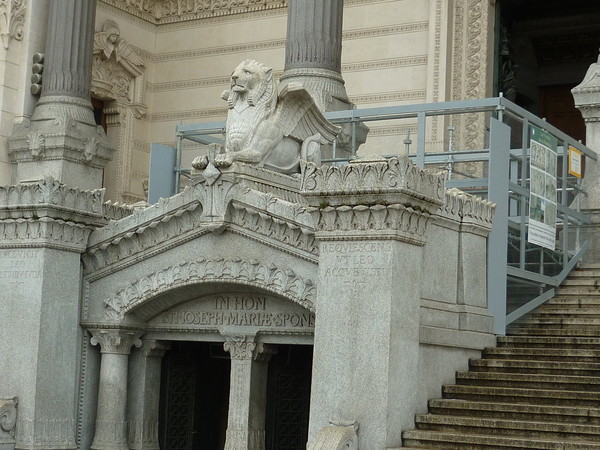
(171, 10)
(283, 282)
(469, 207)
(394, 175)
(12, 20)
(8, 416)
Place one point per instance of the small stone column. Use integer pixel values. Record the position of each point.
(62, 139)
(247, 394)
(111, 422)
(143, 392)
(371, 219)
(587, 100)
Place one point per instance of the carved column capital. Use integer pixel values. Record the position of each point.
(8, 417)
(154, 349)
(241, 349)
(116, 341)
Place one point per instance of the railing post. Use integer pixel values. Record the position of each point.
(497, 242)
(421, 130)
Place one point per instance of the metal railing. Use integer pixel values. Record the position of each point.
(521, 276)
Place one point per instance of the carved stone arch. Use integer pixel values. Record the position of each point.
(152, 294)
(118, 80)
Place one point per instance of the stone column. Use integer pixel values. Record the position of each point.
(587, 100)
(143, 392)
(371, 219)
(247, 394)
(111, 423)
(313, 51)
(62, 139)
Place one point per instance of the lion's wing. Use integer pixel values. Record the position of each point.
(299, 117)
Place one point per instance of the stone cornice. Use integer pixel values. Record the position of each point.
(373, 181)
(280, 281)
(49, 214)
(467, 208)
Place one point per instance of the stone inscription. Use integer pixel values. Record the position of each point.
(239, 310)
(355, 263)
(17, 266)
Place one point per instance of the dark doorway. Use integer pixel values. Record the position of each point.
(194, 397)
(544, 48)
(288, 398)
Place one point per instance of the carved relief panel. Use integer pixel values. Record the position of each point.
(118, 80)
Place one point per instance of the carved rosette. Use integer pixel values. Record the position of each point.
(283, 282)
(116, 341)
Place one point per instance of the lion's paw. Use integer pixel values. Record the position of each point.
(224, 160)
(200, 162)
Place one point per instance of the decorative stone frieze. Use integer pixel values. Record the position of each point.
(281, 281)
(384, 198)
(469, 208)
(167, 11)
(8, 420)
(12, 20)
(115, 341)
(364, 181)
(49, 213)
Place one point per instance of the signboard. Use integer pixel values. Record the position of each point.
(542, 200)
(575, 162)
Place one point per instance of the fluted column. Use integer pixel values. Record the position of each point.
(247, 395)
(111, 422)
(313, 51)
(69, 48)
(314, 35)
(62, 140)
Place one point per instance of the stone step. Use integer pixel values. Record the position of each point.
(579, 301)
(532, 381)
(565, 311)
(545, 330)
(549, 341)
(570, 321)
(591, 273)
(527, 366)
(522, 395)
(584, 290)
(547, 413)
(581, 280)
(543, 354)
(463, 441)
(507, 427)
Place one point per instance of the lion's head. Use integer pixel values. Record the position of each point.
(253, 80)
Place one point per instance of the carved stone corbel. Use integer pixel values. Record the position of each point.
(341, 435)
(8, 420)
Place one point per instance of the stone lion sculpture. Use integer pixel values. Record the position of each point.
(270, 129)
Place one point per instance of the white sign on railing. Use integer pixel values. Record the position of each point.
(542, 200)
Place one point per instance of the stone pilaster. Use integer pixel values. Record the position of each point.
(62, 139)
(144, 394)
(371, 219)
(247, 394)
(587, 100)
(44, 228)
(111, 422)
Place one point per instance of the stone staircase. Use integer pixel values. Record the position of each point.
(538, 389)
